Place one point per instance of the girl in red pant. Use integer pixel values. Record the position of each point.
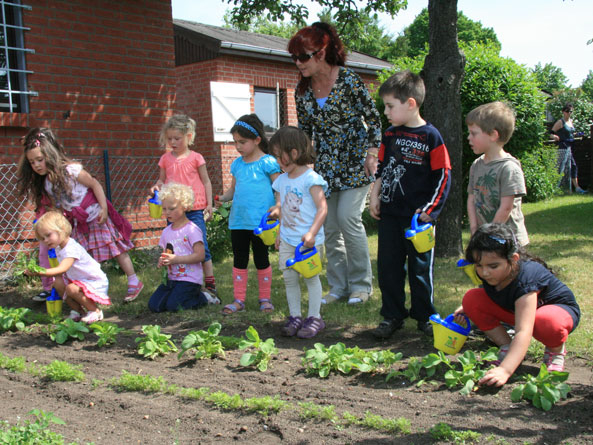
(519, 290)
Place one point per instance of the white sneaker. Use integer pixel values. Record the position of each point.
(212, 299)
(329, 298)
(92, 316)
(74, 315)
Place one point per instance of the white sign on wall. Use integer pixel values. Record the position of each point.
(230, 101)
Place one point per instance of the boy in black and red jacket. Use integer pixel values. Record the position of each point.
(413, 176)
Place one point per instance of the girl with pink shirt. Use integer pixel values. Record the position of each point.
(181, 165)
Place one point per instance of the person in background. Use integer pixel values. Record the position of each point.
(563, 133)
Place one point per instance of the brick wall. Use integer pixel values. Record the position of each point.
(194, 99)
(104, 71)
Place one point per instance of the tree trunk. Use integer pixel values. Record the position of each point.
(443, 72)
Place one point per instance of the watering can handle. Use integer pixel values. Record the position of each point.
(414, 226)
(264, 219)
(468, 327)
(298, 249)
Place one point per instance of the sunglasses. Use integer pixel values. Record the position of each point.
(305, 57)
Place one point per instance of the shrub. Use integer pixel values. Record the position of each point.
(541, 173)
(219, 234)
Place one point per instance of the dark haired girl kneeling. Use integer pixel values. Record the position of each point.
(519, 290)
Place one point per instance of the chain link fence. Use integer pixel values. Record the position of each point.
(126, 178)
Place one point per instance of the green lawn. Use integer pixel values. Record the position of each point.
(560, 231)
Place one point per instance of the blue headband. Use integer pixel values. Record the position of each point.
(248, 127)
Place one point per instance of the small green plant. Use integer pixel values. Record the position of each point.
(206, 343)
(155, 343)
(15, 364)
(36, 432)
(138, 383)
(67, 329)
(443, 432)
(263, 350)
(14, 319)
(472, 370)
(224, 401)
(310, 410)
(24, 263)
(544, 390)
(106, 332)
(265, 405)
(60, 371)
(194, 393)
(322, 360)
(376, 422)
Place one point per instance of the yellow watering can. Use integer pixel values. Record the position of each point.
(470, 270)
(154, 206)
(306, 262)
(53, 259)
(267, 229)
(421, 236)
(449, 337)
(53, 303)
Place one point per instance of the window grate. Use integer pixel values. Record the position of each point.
(14, 93)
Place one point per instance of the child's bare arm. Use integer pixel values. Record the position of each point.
(203, 172)
(229, 194)
(321, 204)
(374, 202)
(63, 267)
(525, 308)
(87, 180)
(504, 210)
(159, 183)
(471, 213)
(197, 256)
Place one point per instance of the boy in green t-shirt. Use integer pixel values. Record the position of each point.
(496, 181)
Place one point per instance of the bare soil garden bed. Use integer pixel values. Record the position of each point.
(95, 412)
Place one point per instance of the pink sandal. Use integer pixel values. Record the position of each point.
(235, 306)
(133, 291)
(265, 305)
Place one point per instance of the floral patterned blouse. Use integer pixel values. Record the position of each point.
(342, 130)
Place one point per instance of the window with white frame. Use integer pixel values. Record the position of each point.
(269, 107)
(13, 73)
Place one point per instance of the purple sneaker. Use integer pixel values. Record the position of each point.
(311, 327)
(292, 326)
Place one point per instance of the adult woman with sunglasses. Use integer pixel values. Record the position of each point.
(336, 110)
(563, 133)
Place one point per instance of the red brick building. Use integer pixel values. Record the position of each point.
(105, 75)
(224, 73)
(101, 74)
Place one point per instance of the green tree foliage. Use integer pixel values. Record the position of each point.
(587, 86)
(263, 25)
(274, 10)
(549, 77)
(414, 40)
(364, 34)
